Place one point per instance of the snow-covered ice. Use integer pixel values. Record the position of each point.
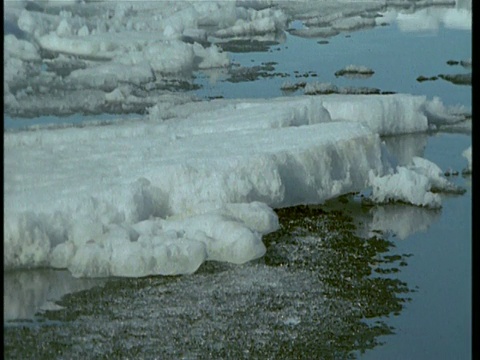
(161, 196)
(188, 181)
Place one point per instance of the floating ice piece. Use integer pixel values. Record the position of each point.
(318, 88)
(178, 245)
(19, 48)
(225, 239)
(438, 114)
(355, 70)
(258, 22)
(437, 179)
(314, 32)
(467, 154)
(416, 183)
(458, 79)
(404, 186)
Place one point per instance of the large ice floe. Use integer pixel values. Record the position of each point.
(162, 196)
(188, 181)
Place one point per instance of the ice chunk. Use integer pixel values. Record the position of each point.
(467, 154)
(431, 170)
(405, 186)
(438, 114)
(414, 183)
(20, 49)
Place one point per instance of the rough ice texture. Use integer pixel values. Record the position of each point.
(163, 195)
(417, 183)
(190, 181)
(406, 186)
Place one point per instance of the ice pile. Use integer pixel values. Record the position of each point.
(467, 154)
(418, 183)
(109, 56)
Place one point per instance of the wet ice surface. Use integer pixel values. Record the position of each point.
(312, 291)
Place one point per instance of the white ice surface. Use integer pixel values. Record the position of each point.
(417, 183)
(457, 17)
(162, 196)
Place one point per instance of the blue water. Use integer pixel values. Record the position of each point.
(437, 322)
(396, 57)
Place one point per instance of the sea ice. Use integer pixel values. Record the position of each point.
(189, 181)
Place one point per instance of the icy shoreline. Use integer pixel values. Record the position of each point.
(297, 303)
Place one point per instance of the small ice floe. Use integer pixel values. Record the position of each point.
(422, 78)
(440, 115)
(355, 71)
(467, 153)
(315, 32)
(457, 79)
(288, 86)
(317, 88)
(50, 306)
(417, 183)
(467, 63)
(439, 183)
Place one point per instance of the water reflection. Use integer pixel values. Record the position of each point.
(402, 220)
(396, 220)
(403, 148)
(432, 18)
(354, 269)
(28, 292)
